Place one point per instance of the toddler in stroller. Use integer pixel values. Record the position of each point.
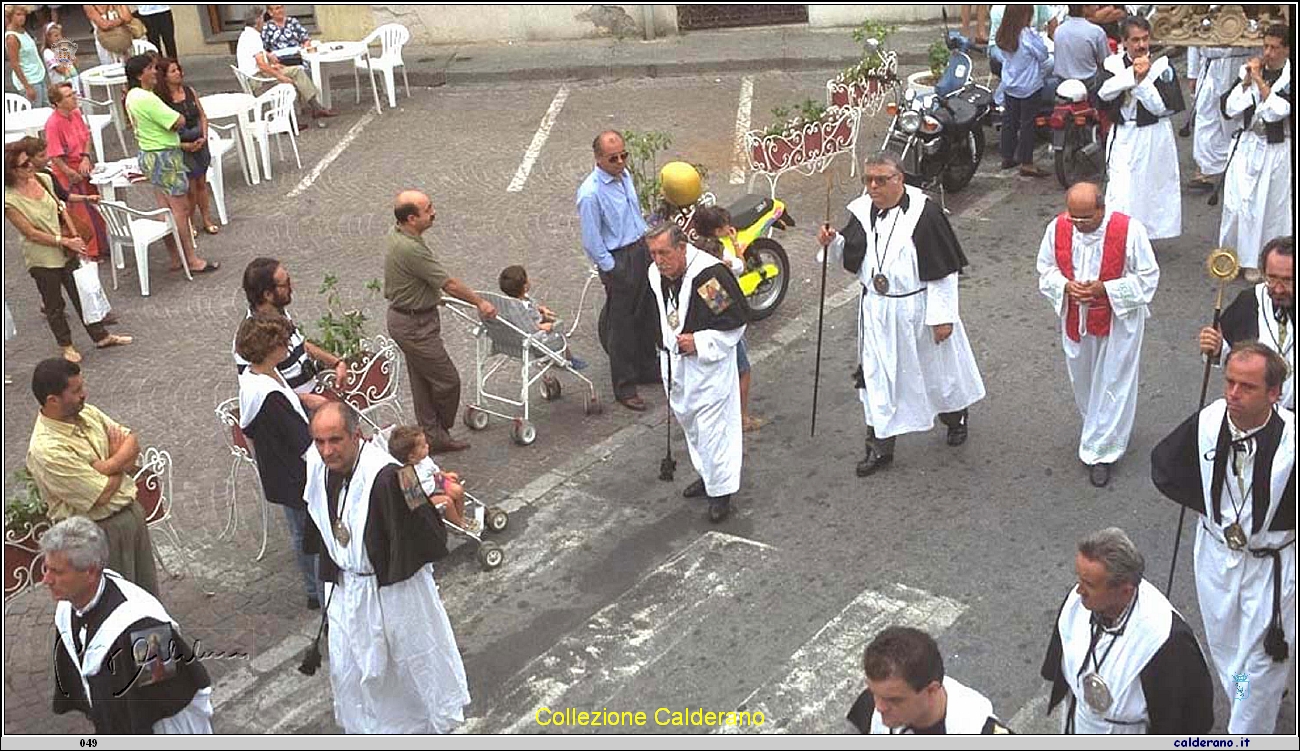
(513, 281)
(443, 489)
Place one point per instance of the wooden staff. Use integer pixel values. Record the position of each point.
(1222, 265)
(821, 307)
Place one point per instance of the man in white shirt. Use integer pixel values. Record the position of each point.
(252, 59)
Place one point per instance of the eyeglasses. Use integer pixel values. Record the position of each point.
(1081, 219)
(879, 180)
(619, 157)
(1280, 281)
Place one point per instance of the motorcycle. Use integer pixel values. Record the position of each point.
(1079, 131)
(939, 137)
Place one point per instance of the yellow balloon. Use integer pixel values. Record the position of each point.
(681, 183)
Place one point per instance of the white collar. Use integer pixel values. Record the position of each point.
(81, 613)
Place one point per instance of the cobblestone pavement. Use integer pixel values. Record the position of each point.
(591, 525)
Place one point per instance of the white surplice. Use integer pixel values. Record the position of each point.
(1103, 369)
(1257, 187)
(1142, 162)
(394, 664)
(1212, 133)
(909, 379)
(704, 391)
(1235, 589)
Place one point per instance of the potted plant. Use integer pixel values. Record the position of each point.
(343, 331)
(864, 83)
(25, 522)
(923, 82)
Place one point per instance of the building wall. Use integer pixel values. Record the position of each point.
(337, 23)
(824, 16)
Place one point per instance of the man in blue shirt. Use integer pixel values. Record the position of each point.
(613, 236)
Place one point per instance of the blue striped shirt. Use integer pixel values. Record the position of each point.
(610, 215)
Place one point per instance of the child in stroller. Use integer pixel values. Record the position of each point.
(409, 445)
(513, 281)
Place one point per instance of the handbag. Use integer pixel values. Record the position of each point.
(94, 303)
(137, 29)
(116, 40)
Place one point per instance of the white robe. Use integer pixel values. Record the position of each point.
(704, 391)
(1212, 134)
(1142, 163)
(1235, 589)
(1123, 658)
(967, 714)
(394, 664)
(1103, 370)
(1257, 187)
(909, 378)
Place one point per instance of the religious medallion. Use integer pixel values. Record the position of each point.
(881, 283)
(341, 533)
(672, 318)
(1096, 693)
(1235, 536)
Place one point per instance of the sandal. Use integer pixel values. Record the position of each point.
(208, 266)
(113, 340)
(211, 229)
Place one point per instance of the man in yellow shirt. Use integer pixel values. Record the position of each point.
(82, 462)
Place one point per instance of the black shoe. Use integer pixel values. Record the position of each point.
(874, 462)
(694, 490)
(313, 603)
(957, 434)
(1099, 475)
(719, 508)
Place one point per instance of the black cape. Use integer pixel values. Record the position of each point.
(1240, 322)
(122, 705)
(1274, 132)
(399, 540)
(1171, 92)
(281, 437)
(1176, 472)
(1176, 682)
(717, 302)
(860, 717)
(938, 253)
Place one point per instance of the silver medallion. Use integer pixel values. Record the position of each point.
(341, 533)
(1235, 536)
(881, 283)
(1096, 693)
(672, 319)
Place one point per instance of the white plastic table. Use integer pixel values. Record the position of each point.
(337, 52)
(31, 121)
(111, 77)
(239, 106)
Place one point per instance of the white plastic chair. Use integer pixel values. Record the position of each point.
(97, 124)
(141, 46)
(249, 84)
(16, 103)
(219, 146)
(392, 37)
(274, 115)
(140, 229)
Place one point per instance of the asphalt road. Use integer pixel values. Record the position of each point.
(617, 593)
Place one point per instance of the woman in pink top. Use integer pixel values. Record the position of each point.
(68, 138)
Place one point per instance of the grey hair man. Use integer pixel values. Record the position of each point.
(119, 658)
(915, 359)
(1121, 657)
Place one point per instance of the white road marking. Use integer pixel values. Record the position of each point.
(333, 154)
(539, 140)
(990, 200)
(738, 158)
(820, 680)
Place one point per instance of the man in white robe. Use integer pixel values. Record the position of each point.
(1234, 464)
(1263, 313)
(394, 664)
(1142, 156)
(915, 359)
(1126, 660)
(1215, 70)
(1257, 187)
(702, 314)
(1098, 271)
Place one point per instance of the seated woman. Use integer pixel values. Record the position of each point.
(408, 445)
(271, 414)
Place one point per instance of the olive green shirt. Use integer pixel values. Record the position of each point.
(43, 213)
(60, 455)
(413, 278)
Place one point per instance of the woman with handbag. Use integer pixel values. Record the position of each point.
(113, 31)
(69, 159)
(172, 90)
(50, 248)
(24, 59)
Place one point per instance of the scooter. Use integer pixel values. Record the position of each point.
(1078, 134)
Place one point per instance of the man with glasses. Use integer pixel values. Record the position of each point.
(613, 236)
(270, 291)
(916, 361)
(1099, 273)
(1263, 313)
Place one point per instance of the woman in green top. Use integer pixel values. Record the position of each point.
(31, 207)
(24, 60)
(161, 159)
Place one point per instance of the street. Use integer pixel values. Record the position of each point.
(616, 593)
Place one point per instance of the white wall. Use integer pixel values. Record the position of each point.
(823, 16)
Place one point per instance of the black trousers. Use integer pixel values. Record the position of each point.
(629, 323)
(52, 283)
(161, 30)
(1018, 128)
(885, 446)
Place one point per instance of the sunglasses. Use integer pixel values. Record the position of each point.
(619, 157)
(877, 180)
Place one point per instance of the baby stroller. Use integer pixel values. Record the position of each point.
(488, 518)
(512, 335)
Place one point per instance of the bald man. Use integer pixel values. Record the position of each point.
(414, 283)
(1099, 273)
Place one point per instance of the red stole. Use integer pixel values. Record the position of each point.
(1112, 267)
